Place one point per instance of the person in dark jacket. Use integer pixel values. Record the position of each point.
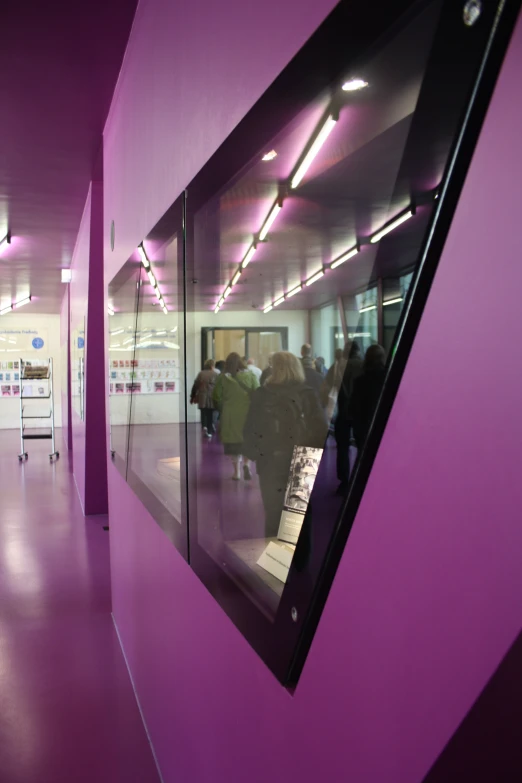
(201, 395)
(349, 368)
(283, 413)
(366, 392)
(312, 377)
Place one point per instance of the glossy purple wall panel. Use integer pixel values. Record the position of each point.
(65, 334)
(79, 287)
(426, 599)
(87, 300)
(191, 72)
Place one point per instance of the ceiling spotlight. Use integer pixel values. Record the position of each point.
(270, 155)
(66, 275)
(354, 84)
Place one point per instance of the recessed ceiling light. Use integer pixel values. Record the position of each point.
(270, 155)
(354, 84)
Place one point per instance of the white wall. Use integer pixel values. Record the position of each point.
(13, 326)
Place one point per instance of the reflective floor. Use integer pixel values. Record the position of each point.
(67, 708)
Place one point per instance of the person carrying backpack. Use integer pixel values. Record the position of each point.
(283, 413)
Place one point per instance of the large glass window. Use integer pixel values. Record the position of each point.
(261, 339)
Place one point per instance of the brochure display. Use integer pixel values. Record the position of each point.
(36, 384)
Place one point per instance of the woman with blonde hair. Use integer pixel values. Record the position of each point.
(231, 397)
(283, 413)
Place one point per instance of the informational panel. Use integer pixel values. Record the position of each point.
(16, 342)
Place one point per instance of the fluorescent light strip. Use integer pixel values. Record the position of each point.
(143, 255)
(6, 310)
(314, 278)
(22, 302)
(160, 333)
(118, 331)
(386, 230)
(165, 310)
(236, 277)
(227, 291)
(367, 309)
(110, 311)
(248, 257)
(267, 309)
(343, 258)
(216, 309)
(274, 212)
(392, 301)
(295, 291)
(158, 293)
(152, 279)
(312, 152)
(279, 301)
(128, 341)
(220, 303)
(115, 345)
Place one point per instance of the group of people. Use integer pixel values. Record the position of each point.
(264, 414)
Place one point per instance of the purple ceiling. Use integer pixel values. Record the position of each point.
(60, 62)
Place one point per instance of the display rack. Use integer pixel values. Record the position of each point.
(43, 375)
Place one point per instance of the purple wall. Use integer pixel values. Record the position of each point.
(426, 602)
(87, 301)
(65, 345)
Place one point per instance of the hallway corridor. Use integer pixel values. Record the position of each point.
(67, 708)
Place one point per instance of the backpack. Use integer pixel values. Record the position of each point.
(284, 421)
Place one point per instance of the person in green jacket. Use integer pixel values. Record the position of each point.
(232, 398)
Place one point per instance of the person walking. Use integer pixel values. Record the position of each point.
(348, 368)
(312, 377)
(251, 365)
(231, 396)
(201, 395)
(366, 392)
(283, 413)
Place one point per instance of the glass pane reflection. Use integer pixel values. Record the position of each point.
(308, 256)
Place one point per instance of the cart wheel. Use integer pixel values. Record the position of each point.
(26, 455)
(19, 458)
(57, 454)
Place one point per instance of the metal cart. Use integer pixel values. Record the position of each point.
(41, 379)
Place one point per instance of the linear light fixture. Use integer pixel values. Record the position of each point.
(279, 301)
(367, 309)
(118, 331)
(5, 241)
(152, 279)
(6, 310)
(66, 275)
(236, 276)
(143, 255)
(115, 345)
(315, 277)
(165, 310)
(267, 309)
(220, 303)
(394, 224)
(294, 291)
(22, 302)
(274, 212)
(216, 309)
(345, 257)
(110, 310)
(128, 341)
(227, 291)
(160, 333)
(392, 301)
(318, 142)
(158, 293)
(248, 257)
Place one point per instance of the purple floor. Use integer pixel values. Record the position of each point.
(67, 708)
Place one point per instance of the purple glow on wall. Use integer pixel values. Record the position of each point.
(425, 602)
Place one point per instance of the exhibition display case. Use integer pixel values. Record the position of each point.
(299, 259)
